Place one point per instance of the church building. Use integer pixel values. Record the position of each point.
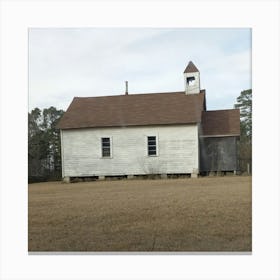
(164, 134)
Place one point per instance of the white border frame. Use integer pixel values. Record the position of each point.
(17, 16)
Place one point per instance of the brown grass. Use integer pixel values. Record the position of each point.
(205, 214)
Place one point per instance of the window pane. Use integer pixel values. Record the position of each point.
(152, 149)
(151, 138)
(106, 144)
(151, 142)
(152, 145)
(152, 153)
(106, 152)
(105, 140)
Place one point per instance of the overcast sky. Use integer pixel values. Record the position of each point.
(69, 62)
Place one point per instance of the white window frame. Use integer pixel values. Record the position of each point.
(147, 145)
(111, 147)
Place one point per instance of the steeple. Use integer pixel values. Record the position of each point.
(192, 79)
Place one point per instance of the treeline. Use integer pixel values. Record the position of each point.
(44, 156)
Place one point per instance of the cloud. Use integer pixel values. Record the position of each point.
(67, 62)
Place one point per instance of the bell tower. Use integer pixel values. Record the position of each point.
(192, 79)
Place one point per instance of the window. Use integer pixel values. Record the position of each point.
(152, 146)
(106, 146)
(191, 81)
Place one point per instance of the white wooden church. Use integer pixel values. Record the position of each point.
(155, 133)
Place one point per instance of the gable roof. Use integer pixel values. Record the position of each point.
(221, 123)
(191, 68)
(133, 110)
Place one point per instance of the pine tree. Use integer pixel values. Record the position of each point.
(244, 103)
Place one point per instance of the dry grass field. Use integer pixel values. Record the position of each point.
(172, 215)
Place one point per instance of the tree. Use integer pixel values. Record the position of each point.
(44, 158)
(50, 118)
(244, 103)
(36, 144)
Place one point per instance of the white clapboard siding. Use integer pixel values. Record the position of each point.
(177, 151)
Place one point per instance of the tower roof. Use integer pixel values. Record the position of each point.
(191, 68)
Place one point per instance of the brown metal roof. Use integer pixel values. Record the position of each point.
(221, 122)
(191, 68)
(134, 109)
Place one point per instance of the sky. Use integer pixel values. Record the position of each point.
(74, 62)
